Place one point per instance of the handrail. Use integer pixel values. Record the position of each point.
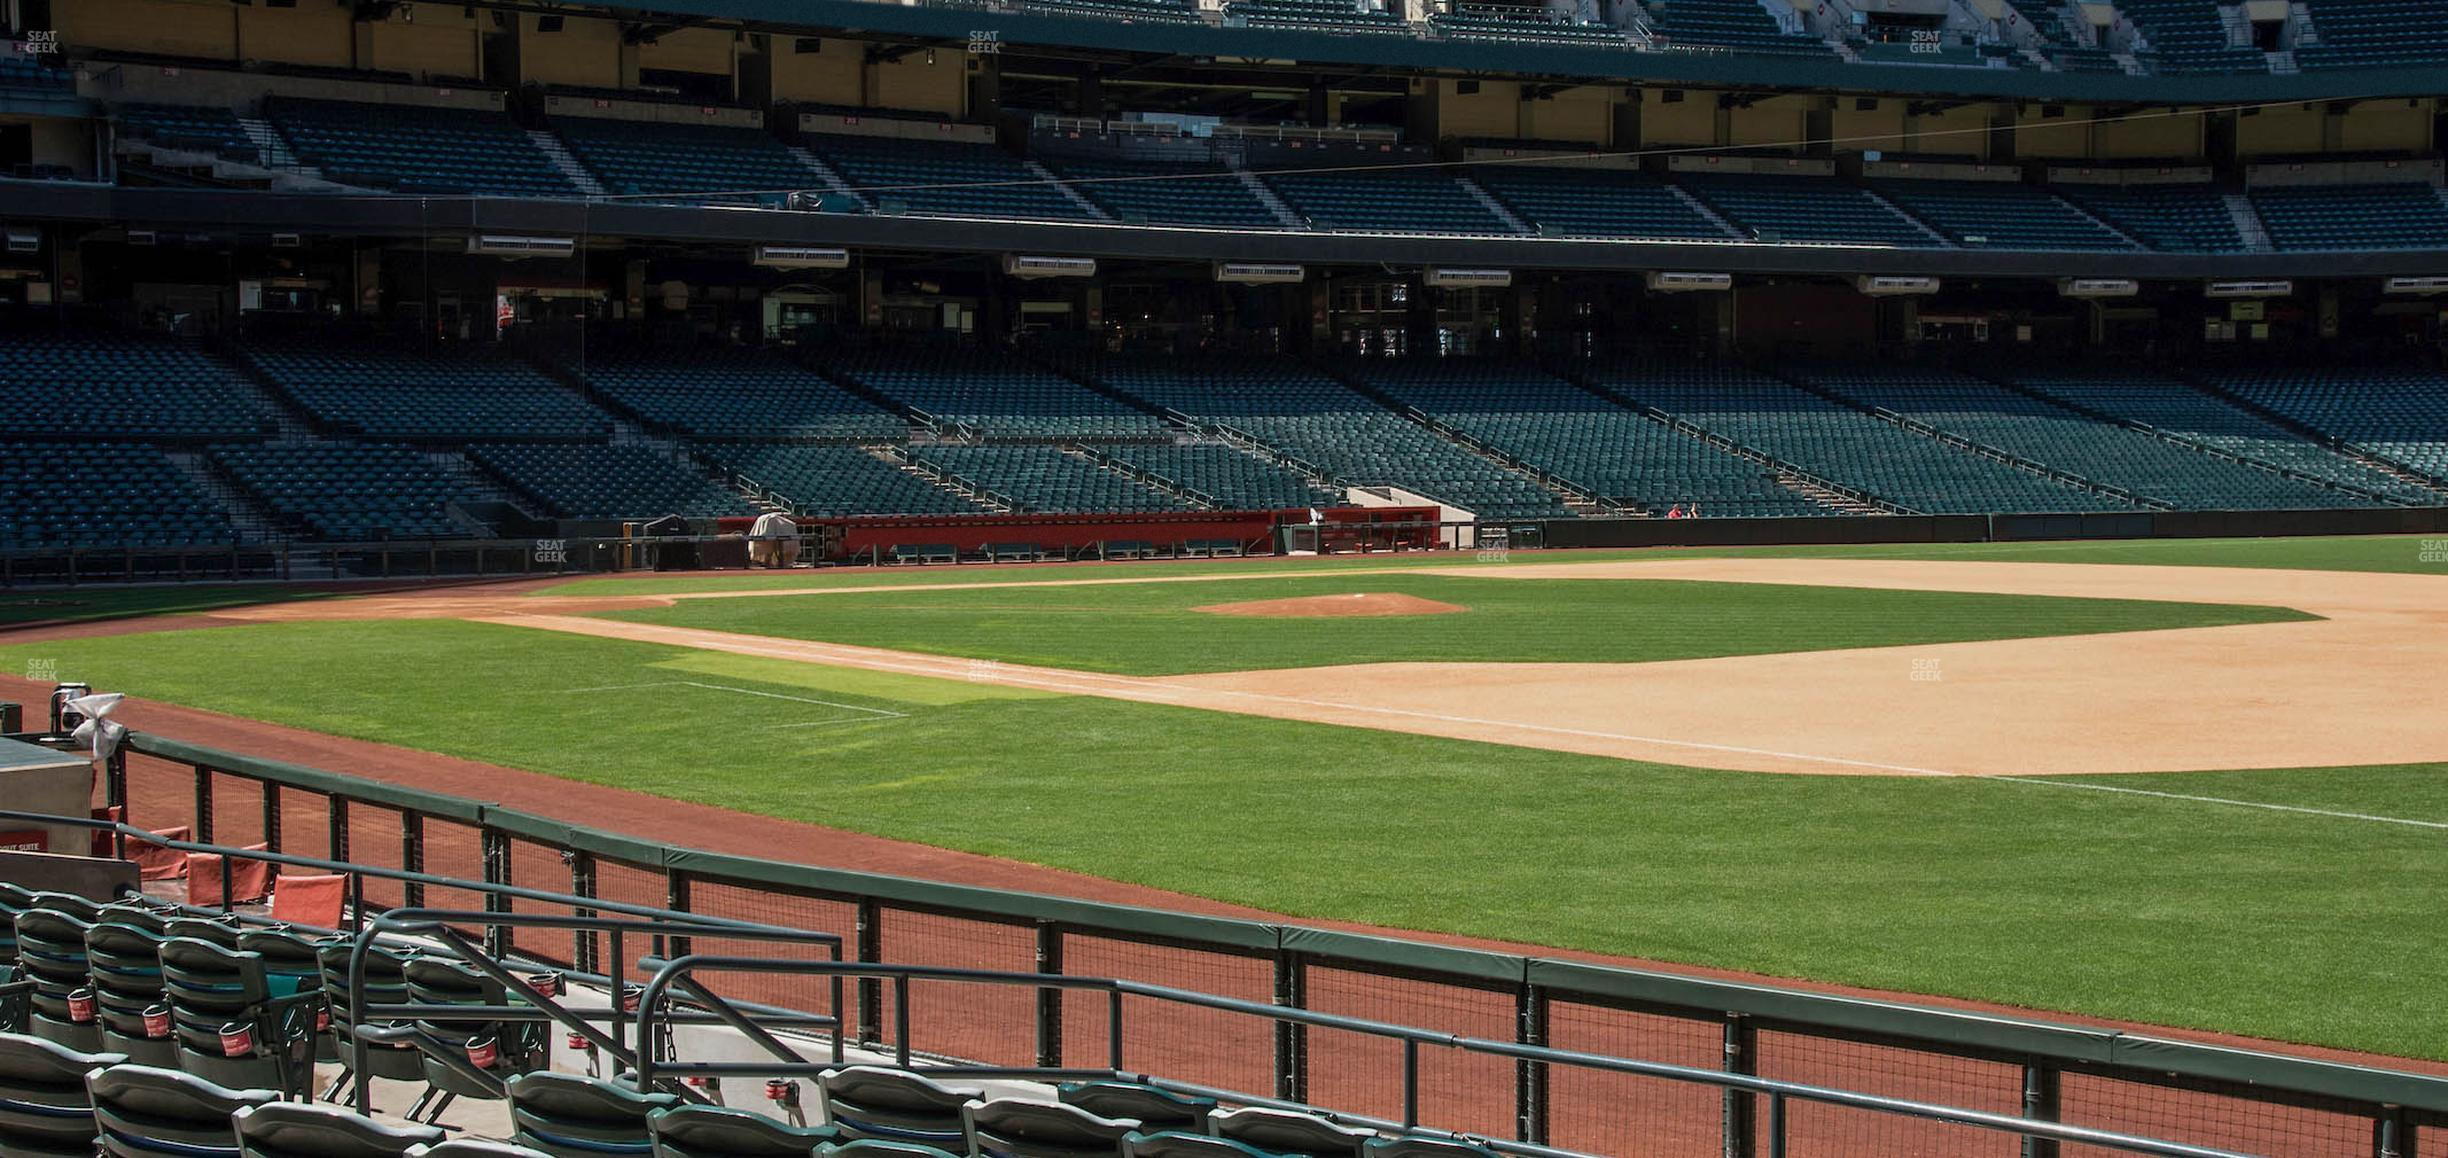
(676, 970)
(442, 925)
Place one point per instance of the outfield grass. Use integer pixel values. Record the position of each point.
(1154, 629)
(2283, 925)
(2396, 553)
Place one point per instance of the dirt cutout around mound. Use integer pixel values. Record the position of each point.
(1355, 605)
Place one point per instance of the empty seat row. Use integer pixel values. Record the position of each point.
(397, 391)
(1044, 479)
(834, 480)
(108, 384)
(418, 149)
(351, 491)
(719, 393)
(102, 494)
(607, 481)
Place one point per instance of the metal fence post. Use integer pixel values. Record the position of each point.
(496, 851)
(676, 898)
(582, 883)
(203, 805)
(1741, 1106)
(271, 815)
(2042, 1094)
(1049, 1001)
(412, 857)
(12, 718)
(1530, 1091)
(2392, 1135)
(338, 836)
(870, 952)
(1291, 1038)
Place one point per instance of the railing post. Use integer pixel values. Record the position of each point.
(2392, 1135)
(1049, 1001)
(12, 718)
(1530, 1077)
(495, 846)
(2042, 1093)
(1741, 1106)
(271, 815)
(676, 898)
(337, 838)
(582, 883)
(1291, 1038)
(870, 952)
(412, 857)
(203, 805)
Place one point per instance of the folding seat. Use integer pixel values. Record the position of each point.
(694, 1131)
(881, 1148)
(147, 1112)
(568, 1116)
(129, 1002)
(464, 1057)
(895, 1105)
(230, 1026)
(1184, 1144)
(1423, 1146)
(51, 951)
(45, 1111)
(1027, 1128)
(303, 1130)
(1288, 1132)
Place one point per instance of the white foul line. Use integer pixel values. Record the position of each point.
(2223, 800)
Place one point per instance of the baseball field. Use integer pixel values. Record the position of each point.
(2192, 784)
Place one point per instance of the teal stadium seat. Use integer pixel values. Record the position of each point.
(1797, 209)
(943, 178)
(351, 492)
(416, 149)
(688, 164)
(1586, 201)
(1045, 479)
(391, 390)
(723, 393)
(2001, 215)
(1150, 193)
(101, 384)
(2391, 215)
(2169, 218)
(620, 481)
(2397, 413)
(1395, 201)
(995, 394)
(103, 495)
(833, 480)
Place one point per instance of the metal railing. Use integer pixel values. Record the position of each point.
(2119, 1081)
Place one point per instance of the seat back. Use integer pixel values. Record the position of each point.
(147, 1111)
(445, 1041)
(221, 933)
(1417, 1146)
(1027, 1128)
(880, 1148)
(716, 1132)
(572, 1117)
(473, 1148)
(230, 1026)
(895, 1106)
(16, 999)
(1156, 1110)
(304, 1130)
(125, 960)
(51, 952)
(1287, 1132)
(43, 1104)
(1184, 1144)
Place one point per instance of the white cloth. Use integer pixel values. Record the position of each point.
(98, 731)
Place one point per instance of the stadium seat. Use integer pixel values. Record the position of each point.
(833, 480)
(1288, 1132)
(294, 1130)
(893, 1105)
(2001, 215)
(231, 1027)
(1405, 200)
(568, 1116)
(734, 394)
(129, 999)
(292, 965)
(686, 164)
(1185, 1144)
(467, 1057)
(147, 1112)
(13, 900)
(51, 950)
(417, 149)
(1156, 1110)
(45, 1110)
(1420, 1146)
(1027, 1128)
(716, 1132)
(2371, 215)
(16, 1000)
(619, 481)
(993, 394)
(473, 1148)
(1044, 479)
(386, 983)
(950, 178)
(1153, 193)
(419, 392)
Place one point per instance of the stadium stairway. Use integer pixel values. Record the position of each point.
(1575, 498)
(1814, 487)
(1975, 447)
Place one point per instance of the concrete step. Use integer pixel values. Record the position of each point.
(561, 158)
(1502, 211)
(1266, 196)
(2248, 223)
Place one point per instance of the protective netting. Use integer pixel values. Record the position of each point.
(1470, 1092)
(985, 1023)
(2252, 1126)
(1616, 1113)
(1814, 1129)
(1210, 1047)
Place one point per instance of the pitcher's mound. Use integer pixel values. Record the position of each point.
(1357, 604)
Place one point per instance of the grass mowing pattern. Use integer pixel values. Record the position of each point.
(1152, 629)
(2394, 553)
(2280, 925)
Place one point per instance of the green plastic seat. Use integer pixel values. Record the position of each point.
(147, 1112)
(1156, 1110)
(1289, 1132)
(125, 961)
(895, 1106)
(45, 1111)
(1028, 1128)
(718, 1132)
(303, 1130)
(51, 952)
(212, 990)
(568, 1116)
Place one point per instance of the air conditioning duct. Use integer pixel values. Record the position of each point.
(2416, 285)
(1030, 265)
(25, 241)
(2248, 289)
(1459, 278)
(800, 257)
(511, 245)
(143, 237)
(1259, 273)
(1679, 283)
(2099, 287)
(1881, 286)
(286, 241)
